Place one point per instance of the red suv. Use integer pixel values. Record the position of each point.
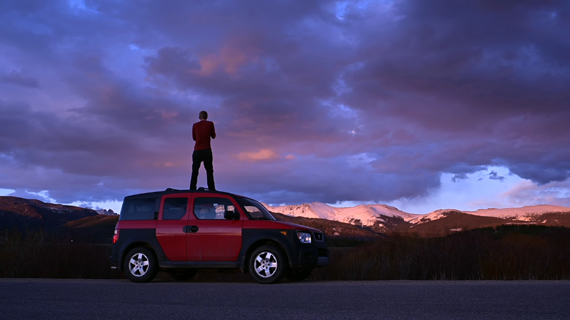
(183, 231)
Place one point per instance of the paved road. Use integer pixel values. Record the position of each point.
(121, 299)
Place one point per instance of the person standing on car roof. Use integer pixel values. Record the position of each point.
(202, 131)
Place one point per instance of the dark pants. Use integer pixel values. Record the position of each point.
(198, 157)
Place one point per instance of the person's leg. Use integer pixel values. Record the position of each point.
(196, 160)
(209, 166)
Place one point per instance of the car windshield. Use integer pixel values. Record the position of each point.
(254, 209)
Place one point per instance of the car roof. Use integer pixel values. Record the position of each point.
(157, 194)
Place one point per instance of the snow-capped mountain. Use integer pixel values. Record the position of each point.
(432, 216)
(518, 213)
(106, 212)
(367, 215)
(387, 218)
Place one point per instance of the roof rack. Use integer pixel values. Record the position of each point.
(199, 189)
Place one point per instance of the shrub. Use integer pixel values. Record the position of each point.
(33, 256)
(502, 253)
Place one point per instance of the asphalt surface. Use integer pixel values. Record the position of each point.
(121, 299)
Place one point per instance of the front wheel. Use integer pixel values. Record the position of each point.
(140, 265)
(267, 264)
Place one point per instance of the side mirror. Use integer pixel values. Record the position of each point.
(231, 215)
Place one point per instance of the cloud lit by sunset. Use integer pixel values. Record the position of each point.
(261, 155)
(423, 104)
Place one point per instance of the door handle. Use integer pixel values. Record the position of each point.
(190, 229)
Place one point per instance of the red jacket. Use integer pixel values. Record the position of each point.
(201, 133)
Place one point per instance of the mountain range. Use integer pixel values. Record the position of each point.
(25, 213)
(385, 219)
(56, 221)
(75, 223)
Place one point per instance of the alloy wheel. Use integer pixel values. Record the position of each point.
(265, 264)
(139, 264)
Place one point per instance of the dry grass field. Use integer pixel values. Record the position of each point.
(500, 253)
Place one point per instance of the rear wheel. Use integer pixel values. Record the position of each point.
(298, 274)
(140, 265)
(267, 264)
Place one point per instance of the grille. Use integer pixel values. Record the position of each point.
(319, 236)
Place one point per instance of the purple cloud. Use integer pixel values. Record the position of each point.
(20, 78)
(312, 101)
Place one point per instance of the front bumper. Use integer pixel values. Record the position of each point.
(311, 255)
(323, 261)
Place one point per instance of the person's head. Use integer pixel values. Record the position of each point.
(203, 115)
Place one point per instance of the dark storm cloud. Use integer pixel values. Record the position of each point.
(116, 101)
(467, 73)
(313, 100)
(20, 78)
(468, 61)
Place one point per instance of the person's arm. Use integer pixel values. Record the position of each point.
(194, 132)
(213, 133)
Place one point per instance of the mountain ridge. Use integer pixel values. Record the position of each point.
(384, 218)
(26, 214)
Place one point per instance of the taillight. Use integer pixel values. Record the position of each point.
(116, 236)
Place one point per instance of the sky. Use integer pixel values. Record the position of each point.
(421, 104)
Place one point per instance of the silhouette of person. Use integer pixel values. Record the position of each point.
(202, 131)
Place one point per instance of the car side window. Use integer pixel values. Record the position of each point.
(212, 208)
(174, 208)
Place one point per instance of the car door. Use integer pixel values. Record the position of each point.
(171, 225)
(211, 236)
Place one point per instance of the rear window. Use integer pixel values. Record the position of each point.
(138, 209)
(174, 208)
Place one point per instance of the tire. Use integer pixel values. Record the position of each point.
(182, 275)
(267, 264)
(140, 265)
(298, 274)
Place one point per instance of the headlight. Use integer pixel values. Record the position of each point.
(304, 237)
